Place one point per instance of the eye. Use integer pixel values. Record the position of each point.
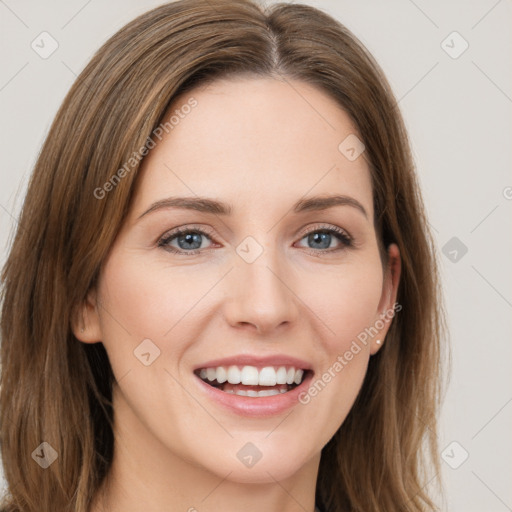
(322, 238)
(188, 240)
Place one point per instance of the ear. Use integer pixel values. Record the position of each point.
(387, 302)
(86, 321)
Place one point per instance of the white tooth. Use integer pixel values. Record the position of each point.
(249, 376)
(251, 392)
(283, 390)
(202, 373)
(230, 391)
(222, 375)
(267, 376)
(290, 375)
(233, 375)
(268, 392)
(211, 374)
(298, 376)
(241, 392)
(281, 375)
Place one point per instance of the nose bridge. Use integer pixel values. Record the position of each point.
(259, 292)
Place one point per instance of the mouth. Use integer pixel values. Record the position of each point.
(252, 381)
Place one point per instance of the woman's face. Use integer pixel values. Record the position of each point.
(265, 276)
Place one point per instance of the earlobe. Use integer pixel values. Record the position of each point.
(387, 302)
(85, 321)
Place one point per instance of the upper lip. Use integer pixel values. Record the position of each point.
(258, 361)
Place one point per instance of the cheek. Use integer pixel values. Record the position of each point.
(148, 300)
(346, 303)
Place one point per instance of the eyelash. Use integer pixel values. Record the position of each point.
(339, 233)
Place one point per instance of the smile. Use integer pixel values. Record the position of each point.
(252, 381)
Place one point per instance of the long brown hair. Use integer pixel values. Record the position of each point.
(58, 390)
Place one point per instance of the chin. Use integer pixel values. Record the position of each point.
(274, 464)
(262, 473)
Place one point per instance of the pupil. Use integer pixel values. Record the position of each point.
(189, 239)
(321, 238)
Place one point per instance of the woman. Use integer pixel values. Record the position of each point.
(222, 293)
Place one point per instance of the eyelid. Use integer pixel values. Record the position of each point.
(184, 229)
(323, 227)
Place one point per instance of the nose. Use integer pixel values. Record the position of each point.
(260, 294)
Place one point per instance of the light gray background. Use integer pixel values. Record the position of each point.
(458, 112)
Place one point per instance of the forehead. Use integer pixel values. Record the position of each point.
(249, 139)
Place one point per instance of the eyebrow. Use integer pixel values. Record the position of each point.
(206, 205)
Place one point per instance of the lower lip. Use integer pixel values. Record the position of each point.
(257, 406)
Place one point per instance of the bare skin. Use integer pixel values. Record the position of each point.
(259, 145)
